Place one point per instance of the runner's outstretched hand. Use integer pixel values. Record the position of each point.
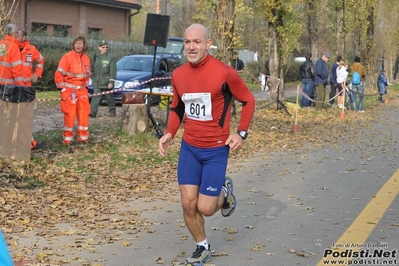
(164, 143)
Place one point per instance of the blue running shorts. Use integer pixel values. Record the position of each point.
(203, 167)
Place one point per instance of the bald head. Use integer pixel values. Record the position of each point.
(196, 43)
(198, 28)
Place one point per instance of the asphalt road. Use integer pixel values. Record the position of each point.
(293, 206)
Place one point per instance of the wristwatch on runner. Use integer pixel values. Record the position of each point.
(243, 134)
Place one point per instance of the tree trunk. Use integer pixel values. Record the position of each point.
(338, 32)
(134, 118)
(274, 58)
(370, 45)
(312, 29)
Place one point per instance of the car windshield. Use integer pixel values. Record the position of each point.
(174, 46)
(135, 64)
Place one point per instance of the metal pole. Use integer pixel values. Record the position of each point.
(164, 7)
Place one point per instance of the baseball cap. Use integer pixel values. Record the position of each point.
(327, 54)
(103, 42)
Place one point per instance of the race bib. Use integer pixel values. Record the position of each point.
(198, 106)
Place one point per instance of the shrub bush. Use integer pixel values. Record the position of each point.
(52, 53)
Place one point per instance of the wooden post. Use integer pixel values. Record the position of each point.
(134, 118)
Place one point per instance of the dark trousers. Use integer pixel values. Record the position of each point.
(333, 91)
(320, 96)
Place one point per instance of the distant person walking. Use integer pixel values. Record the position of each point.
(72, 78)
(358, 73)
(382, 85)
(306, 71)
(103, 78)
(321, 79)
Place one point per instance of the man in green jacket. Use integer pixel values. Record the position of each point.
(103, 77)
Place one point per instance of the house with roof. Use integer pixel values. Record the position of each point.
(71, 18)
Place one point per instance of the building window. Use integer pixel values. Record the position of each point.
(61, 31)
(94, 33)
(39, 29)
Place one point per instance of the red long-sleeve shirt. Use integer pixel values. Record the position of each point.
(203, 92)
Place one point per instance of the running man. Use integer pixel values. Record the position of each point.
(202, 91)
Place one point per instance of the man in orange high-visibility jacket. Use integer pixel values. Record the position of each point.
(72, 78)
(11, 70)
(31, 57)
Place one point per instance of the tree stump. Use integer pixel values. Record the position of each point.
(134, 118)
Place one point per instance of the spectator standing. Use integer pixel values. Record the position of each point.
(11, 69)
(267, 69)
(358, 89)
(103, 78)
(72, 78)
(33, 61)
(333, 80)
(321, 79)
(306, 71)
(237, 63)
(33, 64)
(341, 75)
(202, 90)
(382, 85)
(266, 77)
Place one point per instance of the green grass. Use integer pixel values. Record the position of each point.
(47, 98)
(48, 94)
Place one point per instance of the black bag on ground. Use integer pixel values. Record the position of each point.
(17, 94)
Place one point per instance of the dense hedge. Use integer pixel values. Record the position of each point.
(53, 53)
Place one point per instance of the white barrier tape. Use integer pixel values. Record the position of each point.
(106, 92)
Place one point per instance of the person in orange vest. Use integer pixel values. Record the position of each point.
(31, 57)
(11, 70)
(72, 78)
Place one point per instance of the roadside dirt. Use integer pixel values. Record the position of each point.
(50, 118)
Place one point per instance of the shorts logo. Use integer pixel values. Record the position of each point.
(211, 189)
